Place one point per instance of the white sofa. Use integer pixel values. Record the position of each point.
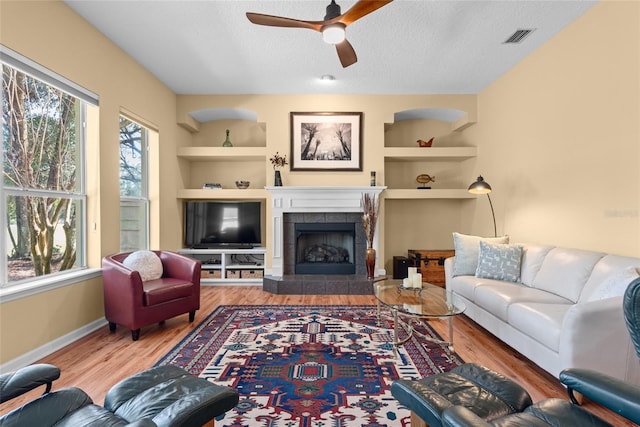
(560, 314)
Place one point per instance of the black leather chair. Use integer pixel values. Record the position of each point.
(160, 396)
(482, 403)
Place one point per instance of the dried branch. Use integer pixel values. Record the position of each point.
(370, 211)
(278, 161)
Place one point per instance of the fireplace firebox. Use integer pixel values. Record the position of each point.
(325, 248)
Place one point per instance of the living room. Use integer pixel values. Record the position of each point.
(557, 138)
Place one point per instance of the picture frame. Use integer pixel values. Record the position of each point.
(324, 141)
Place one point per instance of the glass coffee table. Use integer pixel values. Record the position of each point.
(410, 306)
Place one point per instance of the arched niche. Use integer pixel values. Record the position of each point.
(194, 120)
(457, 119)
(210, 114)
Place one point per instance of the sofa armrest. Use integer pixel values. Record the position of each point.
(460, 416)
(448, 269)
(123, 291)
(619, 396)
(590, 333)
(16, 383)
(180, 266)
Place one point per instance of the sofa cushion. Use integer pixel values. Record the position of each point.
(615, 284)
(499, 261)
(466, 285)
(467, 248)
(497, 299)
(167, 289)
(607, 266)
(540, 321)
(147, 263)
(532, 257)
(564, 272)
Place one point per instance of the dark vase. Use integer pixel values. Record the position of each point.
(277, 181)
(370, 260)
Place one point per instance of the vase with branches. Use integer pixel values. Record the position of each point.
(278, 161)
(370, 211)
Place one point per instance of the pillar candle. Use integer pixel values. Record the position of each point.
(411, 271)
(417, 280)
(406, 283)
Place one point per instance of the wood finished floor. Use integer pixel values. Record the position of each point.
(99, 360)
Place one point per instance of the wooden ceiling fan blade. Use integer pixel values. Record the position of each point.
(279, 21)
(346, 53)
(360, 9)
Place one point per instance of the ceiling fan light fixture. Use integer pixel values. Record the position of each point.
(334, 33)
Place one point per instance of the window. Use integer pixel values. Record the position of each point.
(134, 193)
(43, 190)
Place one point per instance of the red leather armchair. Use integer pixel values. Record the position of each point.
(132, 303)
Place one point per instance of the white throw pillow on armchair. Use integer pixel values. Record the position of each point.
(147, 263)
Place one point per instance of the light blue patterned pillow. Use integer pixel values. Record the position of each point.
(467, 248)
(500, 262)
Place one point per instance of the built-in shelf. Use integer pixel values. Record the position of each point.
(231, 194)
(229, 265)
(415, 154)
(206, 154)
(407, 194)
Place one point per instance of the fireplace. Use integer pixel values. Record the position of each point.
(324, 248)
(318, 207)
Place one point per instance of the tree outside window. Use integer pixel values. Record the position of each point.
(42, 168)
(134, 199)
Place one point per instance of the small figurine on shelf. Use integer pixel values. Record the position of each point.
(227, 141)
(423, 143)
(424, 179)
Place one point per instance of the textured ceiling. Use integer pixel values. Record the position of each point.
(406, 47)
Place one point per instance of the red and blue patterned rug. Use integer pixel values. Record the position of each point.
(308, 366)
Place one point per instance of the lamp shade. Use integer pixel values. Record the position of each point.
(480, 187)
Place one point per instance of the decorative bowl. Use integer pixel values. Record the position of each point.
(243, 185)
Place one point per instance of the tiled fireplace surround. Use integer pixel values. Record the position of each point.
(315, 205)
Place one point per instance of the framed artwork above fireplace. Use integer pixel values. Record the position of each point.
(325, 141)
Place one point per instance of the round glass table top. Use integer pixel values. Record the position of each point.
(427, 301)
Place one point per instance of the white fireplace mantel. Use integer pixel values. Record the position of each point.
(311, 199)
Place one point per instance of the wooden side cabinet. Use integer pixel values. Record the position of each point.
(431, 264)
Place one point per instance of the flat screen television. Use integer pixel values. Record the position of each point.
(221, 224)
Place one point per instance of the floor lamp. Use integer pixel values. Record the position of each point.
(482, 187)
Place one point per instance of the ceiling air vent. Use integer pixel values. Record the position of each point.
(518, 36)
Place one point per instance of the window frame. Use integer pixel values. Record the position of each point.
(28, 286)
(144, 199)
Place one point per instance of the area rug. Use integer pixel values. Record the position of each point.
(308, 366)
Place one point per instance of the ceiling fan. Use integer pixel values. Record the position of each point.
(332, 28)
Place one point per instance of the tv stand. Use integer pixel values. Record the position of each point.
(228, 246)
(229, 264)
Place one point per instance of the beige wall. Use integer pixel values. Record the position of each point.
(53, 35)
(559, 138)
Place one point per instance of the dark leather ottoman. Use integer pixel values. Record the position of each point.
(486, 393)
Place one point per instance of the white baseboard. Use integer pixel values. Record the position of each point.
(52, 346)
